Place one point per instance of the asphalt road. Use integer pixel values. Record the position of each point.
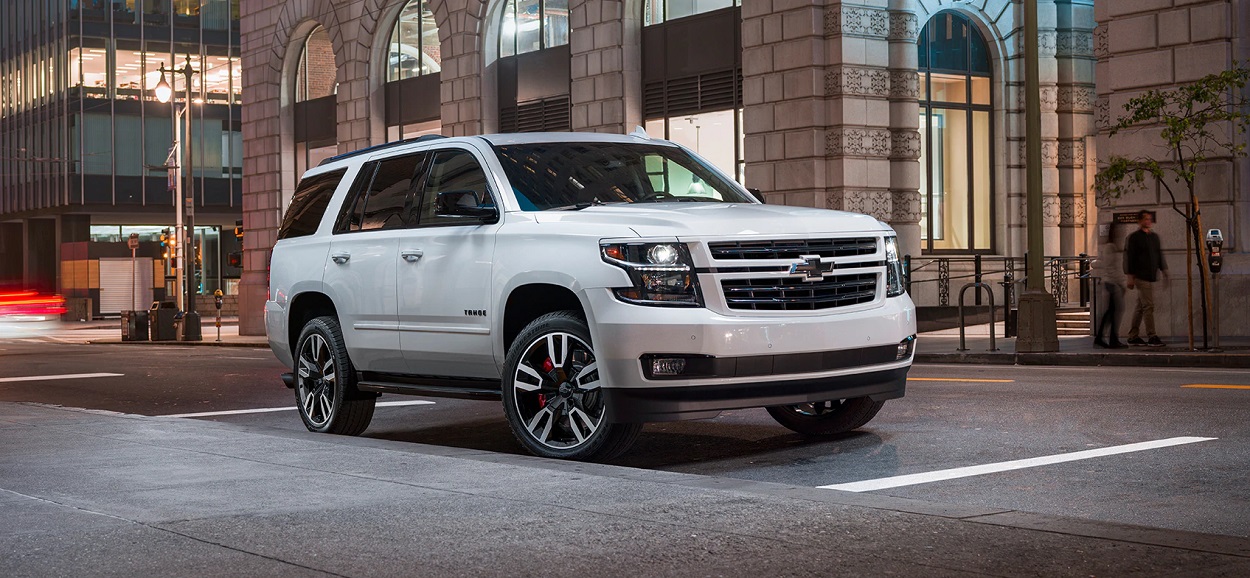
(954, 416)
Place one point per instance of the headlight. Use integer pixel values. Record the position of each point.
(894, 274)
(662, 273)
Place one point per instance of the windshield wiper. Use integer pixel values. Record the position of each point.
(576, 207)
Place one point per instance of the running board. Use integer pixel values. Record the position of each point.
(430, 386)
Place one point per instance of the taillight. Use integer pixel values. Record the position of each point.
(30, 303)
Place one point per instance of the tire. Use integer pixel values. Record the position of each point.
(826, 418)
(551, 393)
(325, 382)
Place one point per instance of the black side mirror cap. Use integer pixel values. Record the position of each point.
(759, 195)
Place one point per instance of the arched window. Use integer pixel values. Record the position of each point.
(657, 11)
(956, 195)
(315, 73)
(532, 25)
(315, 100)
(414, 48)
(414, 58)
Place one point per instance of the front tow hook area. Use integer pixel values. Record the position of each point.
(288, 379)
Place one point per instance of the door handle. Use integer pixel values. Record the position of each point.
(411, 255)
(341, 258)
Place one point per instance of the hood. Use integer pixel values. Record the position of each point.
(691, 220)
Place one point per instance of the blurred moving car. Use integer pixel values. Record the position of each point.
(28, 313)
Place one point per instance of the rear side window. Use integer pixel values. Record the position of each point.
(384, 203)
(308, 204)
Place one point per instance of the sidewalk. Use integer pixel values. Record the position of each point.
(943, 347)
(109, 332)
(92, 493)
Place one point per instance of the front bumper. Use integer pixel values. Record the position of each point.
(760, 360)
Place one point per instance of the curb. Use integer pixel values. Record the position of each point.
(205, 343)
(1222, 360)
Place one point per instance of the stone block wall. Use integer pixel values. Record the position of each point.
(1162, 44)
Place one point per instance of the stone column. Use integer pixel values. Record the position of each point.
(784, 116)
(905, 169)
(262, 155)
(606, 67)
(1074, 55)
(860, 144)
(461, 32)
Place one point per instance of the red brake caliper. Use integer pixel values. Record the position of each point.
(548, 366)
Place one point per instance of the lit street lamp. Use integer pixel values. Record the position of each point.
(185, 202)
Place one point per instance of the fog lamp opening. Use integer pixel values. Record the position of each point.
(905, 348)
(668, 366)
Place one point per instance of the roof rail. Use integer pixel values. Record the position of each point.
(381, 147)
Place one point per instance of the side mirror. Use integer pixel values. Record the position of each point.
(759, 195)
(463, 204)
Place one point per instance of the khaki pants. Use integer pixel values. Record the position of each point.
(1145, 309)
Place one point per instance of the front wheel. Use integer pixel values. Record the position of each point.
(826, 418)
(325, 382)
(552, 395)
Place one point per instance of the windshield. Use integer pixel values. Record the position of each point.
(566, 175)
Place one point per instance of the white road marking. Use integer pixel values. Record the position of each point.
(276, 409)
(249, 358)
(56, 377)
(941, 475)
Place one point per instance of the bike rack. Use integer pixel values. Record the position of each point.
(963, 291)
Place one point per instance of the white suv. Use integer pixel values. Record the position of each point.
(592, 282)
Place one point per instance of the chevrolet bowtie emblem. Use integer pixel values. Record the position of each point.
(810, 268)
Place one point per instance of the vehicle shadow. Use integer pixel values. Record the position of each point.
(704, 446)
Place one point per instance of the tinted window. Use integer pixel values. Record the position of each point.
(452, 170)
(384, 204)
(309, 203)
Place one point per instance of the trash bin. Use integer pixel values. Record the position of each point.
(134, 325)
(161, 318)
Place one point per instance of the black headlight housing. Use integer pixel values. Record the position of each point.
(894, 274)
(662, 274)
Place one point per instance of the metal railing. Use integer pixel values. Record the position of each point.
(1061, 273)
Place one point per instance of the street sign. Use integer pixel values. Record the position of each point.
(133, 241)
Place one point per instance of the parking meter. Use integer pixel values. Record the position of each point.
(1215, 244)
(217, 299)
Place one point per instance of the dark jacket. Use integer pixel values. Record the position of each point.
(1143, 256)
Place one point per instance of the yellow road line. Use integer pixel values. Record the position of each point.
(1215, 386)
(960, 379)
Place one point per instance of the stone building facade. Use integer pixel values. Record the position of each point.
(836, 104)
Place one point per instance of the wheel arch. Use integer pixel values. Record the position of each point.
(529, 301)
(303, 308)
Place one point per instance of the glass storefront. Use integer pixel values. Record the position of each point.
(212, 249)
(717, 136)
(956, 195)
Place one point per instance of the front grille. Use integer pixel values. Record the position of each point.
(794, 249)
(794, 294)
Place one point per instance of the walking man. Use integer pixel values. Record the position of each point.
(1110, 268)
(1143, 262)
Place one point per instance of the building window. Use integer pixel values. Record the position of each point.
(956, 195)
(532, 25)
(414, 49)
(717, 136)
(316, 69)
(413, 62)
(315, 101)
(657, 11)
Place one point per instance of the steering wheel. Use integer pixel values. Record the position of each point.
(656, 195)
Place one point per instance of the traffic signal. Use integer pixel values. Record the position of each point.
(238, 230)
(167, 244)
(235, 259)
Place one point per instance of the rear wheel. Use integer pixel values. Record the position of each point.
(824, 418)
(552, 395)
(325, 382)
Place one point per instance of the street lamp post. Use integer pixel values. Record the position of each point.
(185, 202)
(1036, 323)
